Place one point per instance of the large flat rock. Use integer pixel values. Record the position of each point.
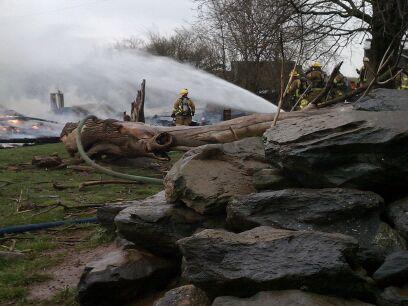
(343, 148)
(207, 177)
(334, 210)
(287, 298)
(225, 263)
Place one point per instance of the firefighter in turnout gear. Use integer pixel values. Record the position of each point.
(363, 73)
(403, 82)
(316, 79)
(340, 87)
(296, 89)
(184, 109)
(316, 76)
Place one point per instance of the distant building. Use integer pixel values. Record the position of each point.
(261, 78)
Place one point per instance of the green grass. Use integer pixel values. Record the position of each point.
(31, 189)
(34, 186)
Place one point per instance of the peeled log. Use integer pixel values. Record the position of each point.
(135, 139)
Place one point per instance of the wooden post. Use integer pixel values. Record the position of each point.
(53, 102)
(143, 97)
(137, 107)
(57, 102)
(226, 115)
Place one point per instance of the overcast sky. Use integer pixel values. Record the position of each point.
(98, 20)
(26, 23)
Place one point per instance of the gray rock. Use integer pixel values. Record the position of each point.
(224, 263)
(393, 296)
(188, 295)
(271, 179)
(343, 148)
(107, 213)
(388, 240)
(207, 177)
(157, 225)
(346, 211)
(287, 297)
(123, 275)
(304, 209)
(397, 213)
(394, 271)
(384, 100)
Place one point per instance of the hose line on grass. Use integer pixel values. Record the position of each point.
(85, 157)
(41, 226)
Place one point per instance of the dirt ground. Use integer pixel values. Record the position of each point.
(67, 274)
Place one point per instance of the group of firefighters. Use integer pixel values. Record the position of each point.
(303, 89)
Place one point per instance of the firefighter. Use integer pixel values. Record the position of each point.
(339, 86)
(184, 109)
(316, 80)
(363, 72)
(296, 88)
(403, 82)
(316, 76)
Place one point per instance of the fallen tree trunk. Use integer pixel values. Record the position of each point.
(135, 139)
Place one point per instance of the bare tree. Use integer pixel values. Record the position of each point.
(251, 32)
(384, 21)
(185, 46)
(130, 43)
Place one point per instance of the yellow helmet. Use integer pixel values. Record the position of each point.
(294, 73)
(183, 92)
(316, 65)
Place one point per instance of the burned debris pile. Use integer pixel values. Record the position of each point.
(315, 211)
(16, 128)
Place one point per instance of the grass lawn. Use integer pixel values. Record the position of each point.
(29, 197)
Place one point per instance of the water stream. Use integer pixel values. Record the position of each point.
(109, 79)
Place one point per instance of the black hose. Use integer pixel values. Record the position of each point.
(39, 226)
(104, 170)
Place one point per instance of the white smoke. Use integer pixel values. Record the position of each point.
(34, 64)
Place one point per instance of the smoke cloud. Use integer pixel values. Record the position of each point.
(35, 63)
